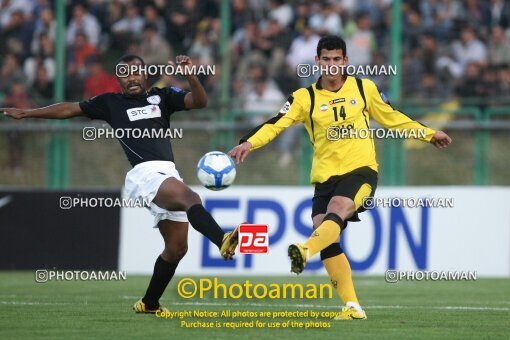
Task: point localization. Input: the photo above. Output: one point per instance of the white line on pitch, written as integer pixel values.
(24, 303)
(332, 307)
(217, 304)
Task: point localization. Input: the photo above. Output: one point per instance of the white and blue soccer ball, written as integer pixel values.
(216, 170)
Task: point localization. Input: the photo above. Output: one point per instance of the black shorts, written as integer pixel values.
(356, 185)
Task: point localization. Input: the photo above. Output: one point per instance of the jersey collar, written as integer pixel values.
(138, 96)
(318, 85)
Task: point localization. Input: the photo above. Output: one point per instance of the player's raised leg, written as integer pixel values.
(175, 235)
(339, 271)
(173, 195)
(339, 210)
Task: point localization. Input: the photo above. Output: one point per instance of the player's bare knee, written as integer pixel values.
(181, 252)
(342, 206)
(174, 254)
(187, 199)
(317, 220)
(190, 198)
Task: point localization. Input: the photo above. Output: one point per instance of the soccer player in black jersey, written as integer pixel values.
(153, 177)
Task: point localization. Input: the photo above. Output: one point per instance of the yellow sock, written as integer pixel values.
(322, 237)
(340, 274)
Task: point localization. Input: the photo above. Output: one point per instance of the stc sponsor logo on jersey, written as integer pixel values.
(253, 239)
(146, 112)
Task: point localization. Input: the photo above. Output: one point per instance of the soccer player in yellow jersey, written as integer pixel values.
(344, 168)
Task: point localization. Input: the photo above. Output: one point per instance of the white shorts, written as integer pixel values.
(142, 183)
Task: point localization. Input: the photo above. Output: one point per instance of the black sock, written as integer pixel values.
(163, 273)
(205, 224)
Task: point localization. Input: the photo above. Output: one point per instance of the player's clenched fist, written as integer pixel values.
(183, 60)
(240, 152)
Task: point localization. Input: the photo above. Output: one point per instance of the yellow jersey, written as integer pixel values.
(338, 124)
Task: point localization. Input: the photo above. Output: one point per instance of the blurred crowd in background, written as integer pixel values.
(451, 48)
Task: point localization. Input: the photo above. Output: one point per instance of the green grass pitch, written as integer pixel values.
(89, 309)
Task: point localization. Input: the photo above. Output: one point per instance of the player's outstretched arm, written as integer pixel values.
(382, 111)
(56, 111)
(197, 98)
(240, 152)
(440, 140)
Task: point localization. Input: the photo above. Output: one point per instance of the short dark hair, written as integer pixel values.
(331, 42)
(150, 27)
(130, 57)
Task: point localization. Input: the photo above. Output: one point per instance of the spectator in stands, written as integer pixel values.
(281, 12)
(77, 56)
(10, 71)
(262, 98)
(429, 53)
(469, 49)
(504, 80)
(16, 35)
(411, 73)
(491, 82)
(499, 13)
(326, 21)
(203, 48)
(274, 42)
(240, 14)
(45, 24)
(83, 22)
(18, 98)
(80, 51)
(39, 6)
(43, 56)
(252, 45)
(256, 71)
(152, 16)
(42, 89)
(129, 27)
(361, 41)
(114, 12)
(301, 18)
(184, 21)
(471, 85)
(428, 58)
(153, 48)
(98, 80)
(476, 12)
(499, 47)
(413, 30)
(447, 12)
(263, 102)
(8, 7)
(245, 39)
(302, 51)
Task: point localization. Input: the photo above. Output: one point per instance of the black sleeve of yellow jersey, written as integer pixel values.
(272, 121)
(290, 114)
